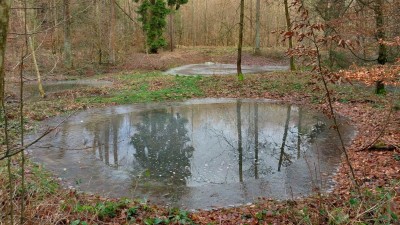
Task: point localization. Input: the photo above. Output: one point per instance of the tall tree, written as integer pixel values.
(98, 30)
(330, 10)
(239, 56)
(111, 56)
(67, 35)
(257, 49)
(377, 7)
(153, 17)
(174, 5)
(4, 17)
(289, 29)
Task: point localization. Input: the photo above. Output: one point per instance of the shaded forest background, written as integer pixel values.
(107, 32)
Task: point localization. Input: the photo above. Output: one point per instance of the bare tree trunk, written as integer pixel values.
(55, 30)
(4, 17)
(289, 29)
(239, 57)
(381, 36)
(285, 132)
(240, 146)
(256, 140)
(67, 35)
(257, 49)
(98, 29)
(193, 26)
(39, 79)
(171, 29)
(112, 33)
(206, 24)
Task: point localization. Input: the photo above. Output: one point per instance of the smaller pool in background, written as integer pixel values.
(210, 68)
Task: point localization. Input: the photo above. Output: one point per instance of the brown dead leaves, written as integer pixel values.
(389, 74)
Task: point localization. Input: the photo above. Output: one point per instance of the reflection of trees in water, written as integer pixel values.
(285, 158)
(248, 145)
(162, 147)
(102, 147)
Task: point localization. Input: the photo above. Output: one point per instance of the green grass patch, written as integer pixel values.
(150, 87)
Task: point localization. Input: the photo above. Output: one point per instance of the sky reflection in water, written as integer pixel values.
(195, 154)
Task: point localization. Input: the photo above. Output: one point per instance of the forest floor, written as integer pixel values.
(376, 118)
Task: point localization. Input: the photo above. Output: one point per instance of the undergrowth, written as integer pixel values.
(47, 203)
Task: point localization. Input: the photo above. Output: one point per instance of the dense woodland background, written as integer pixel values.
(76, 34)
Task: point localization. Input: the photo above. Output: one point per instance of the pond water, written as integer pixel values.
(194, 154)
(221, 69)
(31, 90)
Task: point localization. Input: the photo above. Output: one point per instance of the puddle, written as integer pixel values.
(221, 69)
(31, 89)
(194, 154)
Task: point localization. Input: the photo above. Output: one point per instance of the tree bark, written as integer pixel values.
(285, 132)
(257, 49)
(289, 29)
(67, 35)
(380, 33)
(4, 17)
(206, 24)
(111, 56)
(39, 79)
(239, 57)
(240, 145)
(171, 29)
(98, 31)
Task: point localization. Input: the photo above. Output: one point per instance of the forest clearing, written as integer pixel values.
(200, 112)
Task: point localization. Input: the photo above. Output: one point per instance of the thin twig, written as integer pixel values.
(381, 132)
(23, 148)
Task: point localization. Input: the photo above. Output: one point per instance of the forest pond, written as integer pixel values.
(195, 154)
(31, 89)
(210, 68)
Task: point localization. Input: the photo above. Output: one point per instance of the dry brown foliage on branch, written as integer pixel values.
(389, 74)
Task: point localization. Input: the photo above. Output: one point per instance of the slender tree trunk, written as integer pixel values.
(39, 79)
(381, 36)
(171, 29)
(67, 35)
(206, 24)
(299, 133)
(257, 49)
(4, 17)
(193, 25)
(251, 21)
(115, 142)
(256, 141)
(98, 29)
(285, 132)
(111, 56)
(107, 144)
(277, 35)
(239, 130)
(289, 29)
(55, 30)
(239, 56)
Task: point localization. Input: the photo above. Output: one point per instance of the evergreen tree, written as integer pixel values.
(153, 15)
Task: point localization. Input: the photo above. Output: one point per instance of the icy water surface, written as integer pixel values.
(32, 90)
(194, 154)
(220, 69)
